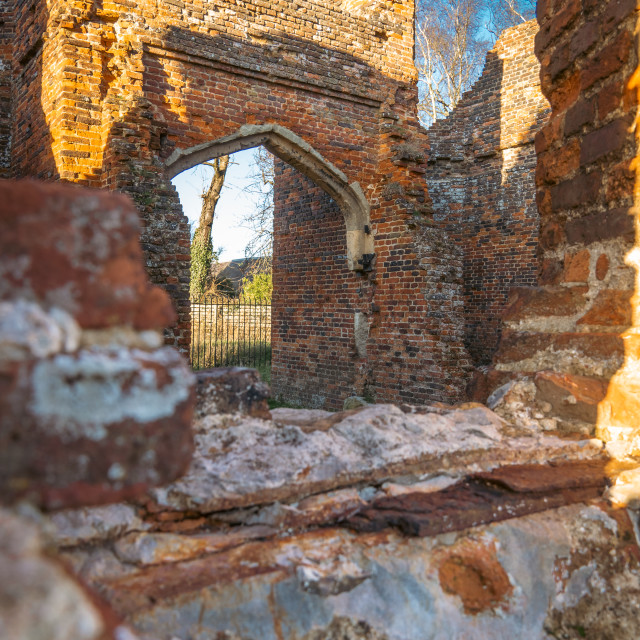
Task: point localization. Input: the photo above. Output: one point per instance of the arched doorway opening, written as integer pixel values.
(322, 246)
(297, 153)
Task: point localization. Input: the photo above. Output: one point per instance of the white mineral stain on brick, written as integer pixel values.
(28, 331)
(11, 271)
(79, 396)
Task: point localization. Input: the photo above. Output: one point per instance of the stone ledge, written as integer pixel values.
(247, 462)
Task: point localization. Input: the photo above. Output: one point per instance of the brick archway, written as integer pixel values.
(162, 77)
(293, 150)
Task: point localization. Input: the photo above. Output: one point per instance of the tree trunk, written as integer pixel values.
(202, 245)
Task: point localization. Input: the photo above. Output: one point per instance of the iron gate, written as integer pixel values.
(230, 332)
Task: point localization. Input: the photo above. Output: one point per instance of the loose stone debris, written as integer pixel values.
(377, 523)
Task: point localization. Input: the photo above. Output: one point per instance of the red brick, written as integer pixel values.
(565, 93)
(584, 188)
(616, 11)
(611, 138)
(544, 302)
(617, 223)
(602, 266)
(610, 98)
(548, 135)
(609, 60)
(557, 164)
(621, 182)
(576, 266)
(584, 39)
(561, 20)
(516, 346)
(551, 234)
(582, 113)
(610, 308)
(550, 271)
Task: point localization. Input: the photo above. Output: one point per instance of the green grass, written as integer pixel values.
(233, 354)
(264, 369)
(280, 404)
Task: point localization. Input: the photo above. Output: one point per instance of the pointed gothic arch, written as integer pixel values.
(293, 150)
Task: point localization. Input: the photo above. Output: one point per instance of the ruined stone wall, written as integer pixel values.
(314, 297)
(481, 181)
(395, 336)
(573, 334)
(6, 85)
(114, 94)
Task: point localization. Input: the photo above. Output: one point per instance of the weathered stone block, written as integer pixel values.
(583, 112)
(516, 346)
(582, 189)
(601, 226)
(251, 462)
(231, 390)
(523, 576)
(529, 302)
(557, 164)
(79, 252)
(611, 308)
(608, 139)
(609, 60)
(94, 426)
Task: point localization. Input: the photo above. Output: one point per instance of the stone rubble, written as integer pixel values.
(40, 598)
(383, 522)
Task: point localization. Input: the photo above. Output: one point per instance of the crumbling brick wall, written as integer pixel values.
(395, 336)
(481, 181)
(314, 296)
(575, 334)
(93, 408)
(6, 76)
(108, 94)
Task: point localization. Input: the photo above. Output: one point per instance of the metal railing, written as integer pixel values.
(229, 332)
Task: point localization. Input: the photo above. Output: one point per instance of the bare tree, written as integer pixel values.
(502, 14)
(201, 244)
(449, 52)
(452, 38)
(259, 249)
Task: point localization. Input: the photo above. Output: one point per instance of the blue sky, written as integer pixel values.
(227, 230)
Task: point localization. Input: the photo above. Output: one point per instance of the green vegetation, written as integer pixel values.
(233, 354)
(259, 288)
(280, 404)
(201, 258)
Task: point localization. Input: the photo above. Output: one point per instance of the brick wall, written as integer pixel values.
(394, 334)
(576, 328)
(31, 137)
(481, 181)
(315, 296)
(6, 85)
(128, 85)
